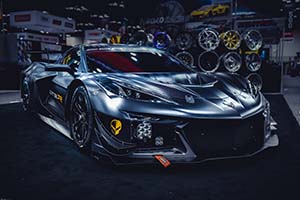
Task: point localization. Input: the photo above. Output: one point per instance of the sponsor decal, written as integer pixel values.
(56, 96)
(165, 20)
(229, 104)
(163, 160)
(23, 18)
(56, 22)
(94, 34)
(116, 126)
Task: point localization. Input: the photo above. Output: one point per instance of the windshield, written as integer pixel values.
(133, 61)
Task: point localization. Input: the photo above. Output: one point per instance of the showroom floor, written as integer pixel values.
(39, 163)
(291, 91)
(9, 96)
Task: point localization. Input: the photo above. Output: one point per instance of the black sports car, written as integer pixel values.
(139, 105)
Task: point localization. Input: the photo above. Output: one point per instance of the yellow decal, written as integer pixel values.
(67, 59)
(59, 98)
(115, 39)
(116, 126)
(251, 52)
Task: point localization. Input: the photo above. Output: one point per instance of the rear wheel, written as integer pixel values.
(81, 119)
(27, 98)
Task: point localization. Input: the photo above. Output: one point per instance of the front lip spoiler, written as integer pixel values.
(188, 158)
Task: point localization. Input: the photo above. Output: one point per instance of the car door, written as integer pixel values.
(60, 83)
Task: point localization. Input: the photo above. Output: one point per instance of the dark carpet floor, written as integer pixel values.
(36, 162)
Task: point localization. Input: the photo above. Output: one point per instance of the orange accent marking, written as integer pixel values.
(163, 160)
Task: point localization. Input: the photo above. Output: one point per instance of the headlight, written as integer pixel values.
(114, 89)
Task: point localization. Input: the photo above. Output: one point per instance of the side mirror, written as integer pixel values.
(58, 68)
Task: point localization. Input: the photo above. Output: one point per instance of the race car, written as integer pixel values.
(210, 10)
(220, 9)
(202, 12)
(137, 104)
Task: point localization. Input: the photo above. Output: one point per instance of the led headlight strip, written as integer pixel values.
(126, 91)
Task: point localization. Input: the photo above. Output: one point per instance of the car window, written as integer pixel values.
(134, 61)
(72, 58)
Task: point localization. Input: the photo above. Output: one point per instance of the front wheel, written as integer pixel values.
(81, 119)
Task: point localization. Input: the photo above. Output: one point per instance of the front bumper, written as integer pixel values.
(188, 157)
(249, 137)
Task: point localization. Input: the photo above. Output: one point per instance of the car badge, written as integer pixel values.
(189, 99)
(116, 126)
(229, 104)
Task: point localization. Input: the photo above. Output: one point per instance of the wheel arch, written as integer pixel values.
(90, 86)
(75, 84)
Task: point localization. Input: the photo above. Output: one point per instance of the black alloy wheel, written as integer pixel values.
(81, 119)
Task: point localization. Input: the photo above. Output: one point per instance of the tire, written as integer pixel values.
(81, 120)
(27, 98)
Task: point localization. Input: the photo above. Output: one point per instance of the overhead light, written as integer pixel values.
(114, 4)
(134, 58)
(84, 8)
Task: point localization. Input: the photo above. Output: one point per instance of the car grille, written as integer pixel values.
(225, 137)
